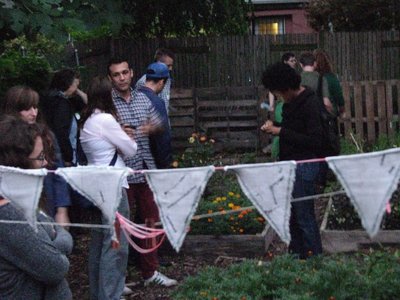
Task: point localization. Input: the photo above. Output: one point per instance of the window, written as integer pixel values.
(270, 25)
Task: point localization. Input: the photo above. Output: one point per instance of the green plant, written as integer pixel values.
(200, 152)
(375, 275)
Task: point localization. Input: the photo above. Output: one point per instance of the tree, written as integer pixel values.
(167, 18)
(355, 15)
(55, 18)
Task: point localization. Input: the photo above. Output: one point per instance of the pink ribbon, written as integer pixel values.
(141, 232)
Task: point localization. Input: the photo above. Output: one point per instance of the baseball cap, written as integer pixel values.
(157, 70)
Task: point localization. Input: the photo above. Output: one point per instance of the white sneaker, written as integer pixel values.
(126, 291)
(160, 279)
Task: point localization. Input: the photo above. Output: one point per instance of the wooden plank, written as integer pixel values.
(369, 103)
(334, 241)
(381, 108)
(233, 114)
(226, 124)
(389, 108)
(181, 93)
(182, 112)
(223, 103)
(182, 122)
(358, 113)
(182, 102)
(347, 106)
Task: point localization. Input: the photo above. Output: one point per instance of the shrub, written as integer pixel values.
(366, 276)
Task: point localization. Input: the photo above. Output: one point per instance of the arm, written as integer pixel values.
(327, 97)
(113, 133)
(32, 252)
(271, 99)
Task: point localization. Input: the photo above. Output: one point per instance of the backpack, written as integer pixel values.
(330, 138)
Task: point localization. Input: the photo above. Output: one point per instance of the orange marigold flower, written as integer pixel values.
(203, 138)
(260, 219)
(241, 230)
(209, 211)
(209, 220)
(175, 164)
(238, 196)
(240, 216)
(231, 205)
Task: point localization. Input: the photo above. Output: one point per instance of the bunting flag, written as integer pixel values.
(177, 193)
(269, 187)
(23, 188)
(369, 180)
(100, 185)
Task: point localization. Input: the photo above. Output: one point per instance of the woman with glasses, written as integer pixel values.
(22, 101)
(33, 264)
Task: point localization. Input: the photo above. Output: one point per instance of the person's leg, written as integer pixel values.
(96, 240)
(146, 213)
(113, 262)
(306, 236)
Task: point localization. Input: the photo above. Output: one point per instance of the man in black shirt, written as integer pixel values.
(300, 136)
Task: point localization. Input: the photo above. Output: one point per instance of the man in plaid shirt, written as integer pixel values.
(139, 119)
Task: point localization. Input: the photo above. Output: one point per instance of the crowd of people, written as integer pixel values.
(122, 123)
(114, 124)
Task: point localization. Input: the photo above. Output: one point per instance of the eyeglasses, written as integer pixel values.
(41, 157)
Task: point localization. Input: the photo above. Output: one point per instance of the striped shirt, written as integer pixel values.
(165, 93)
(137, 112)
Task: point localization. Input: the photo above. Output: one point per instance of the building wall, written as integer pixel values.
(295, 19)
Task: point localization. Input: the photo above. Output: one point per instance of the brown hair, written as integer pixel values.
(20, 98)
(99, 96)
(324, 64)
(17, 141)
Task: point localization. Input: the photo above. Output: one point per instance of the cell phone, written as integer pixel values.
(129, 126)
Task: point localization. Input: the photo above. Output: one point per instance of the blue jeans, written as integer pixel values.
(304, 231)
(107, 266)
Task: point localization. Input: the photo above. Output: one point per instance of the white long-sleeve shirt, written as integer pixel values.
(101, 136)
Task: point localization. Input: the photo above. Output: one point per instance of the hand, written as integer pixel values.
(62, 215)
(269, 127)
(128, 130)
(149, 129)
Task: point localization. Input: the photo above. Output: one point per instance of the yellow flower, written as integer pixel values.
(175, 164)
(237, 196)
(231, 205)
(191, 140)
(218, 199)
(231, 194)
(223, 198)
(203, 293)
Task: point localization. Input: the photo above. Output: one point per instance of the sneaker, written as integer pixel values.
(160, 279)
(126, 291)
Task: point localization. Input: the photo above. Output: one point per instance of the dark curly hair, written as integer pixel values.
(17, 141)
(281, 77)
(324, 64)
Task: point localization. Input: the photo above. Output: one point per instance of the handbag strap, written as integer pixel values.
(114, 159)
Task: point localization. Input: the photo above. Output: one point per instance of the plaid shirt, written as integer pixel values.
(165, 94)
(137, 112)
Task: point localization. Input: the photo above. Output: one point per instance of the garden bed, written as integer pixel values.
(350, 236)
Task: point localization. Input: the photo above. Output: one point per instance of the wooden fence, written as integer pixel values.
(232, 116)
(240, 60)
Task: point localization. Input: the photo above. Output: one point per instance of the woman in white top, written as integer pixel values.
(104, 142)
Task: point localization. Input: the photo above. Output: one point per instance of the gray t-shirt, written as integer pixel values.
(310, 79)
(31, 265)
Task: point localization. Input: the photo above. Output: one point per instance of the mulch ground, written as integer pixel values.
(177, 266)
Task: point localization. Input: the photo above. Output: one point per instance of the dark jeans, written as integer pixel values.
(304, 231)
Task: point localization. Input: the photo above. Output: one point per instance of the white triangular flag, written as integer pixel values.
(269, 187)
(177, 193)
(369, 180)
(23, 188)
(100, 185)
